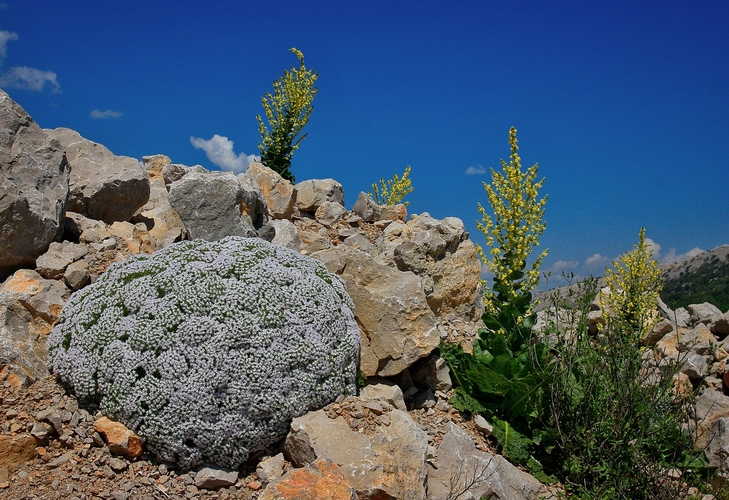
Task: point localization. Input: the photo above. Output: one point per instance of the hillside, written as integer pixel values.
(703, 278)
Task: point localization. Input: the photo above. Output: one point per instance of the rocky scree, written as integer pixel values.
(208, 349)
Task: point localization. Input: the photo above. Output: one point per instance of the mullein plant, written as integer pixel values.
(287, 111)
(504, 378)
(635, 284)
(515, 228)
(394, 191)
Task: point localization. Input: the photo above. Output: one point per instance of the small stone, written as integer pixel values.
(117, 464)
(483, 426)
(58, 461)
(209, 478)
(255, 485)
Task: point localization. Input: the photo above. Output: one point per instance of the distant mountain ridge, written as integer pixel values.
(702, 278)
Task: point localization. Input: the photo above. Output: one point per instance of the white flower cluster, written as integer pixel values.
(208, 350)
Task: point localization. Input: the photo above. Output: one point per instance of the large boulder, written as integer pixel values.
(209, 204)
(387, 463)
(103, 186)
(34, 177)
(398, 327)
(29, 307)
(460, 470)
(442, 255)
(311, 194)
(278, 192)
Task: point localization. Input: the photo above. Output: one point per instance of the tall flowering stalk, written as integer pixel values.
(514, 230)
(287, 111)
(635, 285)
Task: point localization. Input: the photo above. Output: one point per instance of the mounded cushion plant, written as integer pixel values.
(209, 349)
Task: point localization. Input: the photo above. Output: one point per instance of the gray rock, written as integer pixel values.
(211, 479)
(59, 256)
(440, 253)
(384, 390)
(695, 366)
(433, 372)
(682, 318)
(703, 313)
(271, 468)
(461, 469)
(311, 194)
(77, 275)
(286, 234)
(711, 427)
(162, 221)
(102, 186)
(366, 208)
(172, 172)
(483, 426)
(390, 463)
(720, 325)
(51, 415)
(391, 309)
(34, 176)
(360, 242)
(209, 205)
(329, 213)
(253, 205)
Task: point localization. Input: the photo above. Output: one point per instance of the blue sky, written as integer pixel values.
(624, 104)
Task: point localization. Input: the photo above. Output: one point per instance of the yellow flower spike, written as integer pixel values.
(516, 224)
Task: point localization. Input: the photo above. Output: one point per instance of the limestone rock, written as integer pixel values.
(157, 213)
(386, 390)
(703, 313)
(712, 427)
(390, 463)
(271, 468)
(329, 213)
(277, 191)
(398, 327)
(34, 175)
(720, 325)
(59, 256)
(311, 194)
(209, 205)
(432, 371)
(211, 479)
(286, 234)
(457, 461)
(440, 252)
(102, 186)
(320, 480)
(366, 208)
(121, 441)
(29, 307)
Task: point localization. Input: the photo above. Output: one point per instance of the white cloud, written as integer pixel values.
(564, 265)
(671, 256)
(653, 247)
(219, 150)
(596, 259)
(475, 170)
(5, 37)
(109, 113)
(25, 78)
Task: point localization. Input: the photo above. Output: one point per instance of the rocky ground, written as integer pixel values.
(73, 461)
